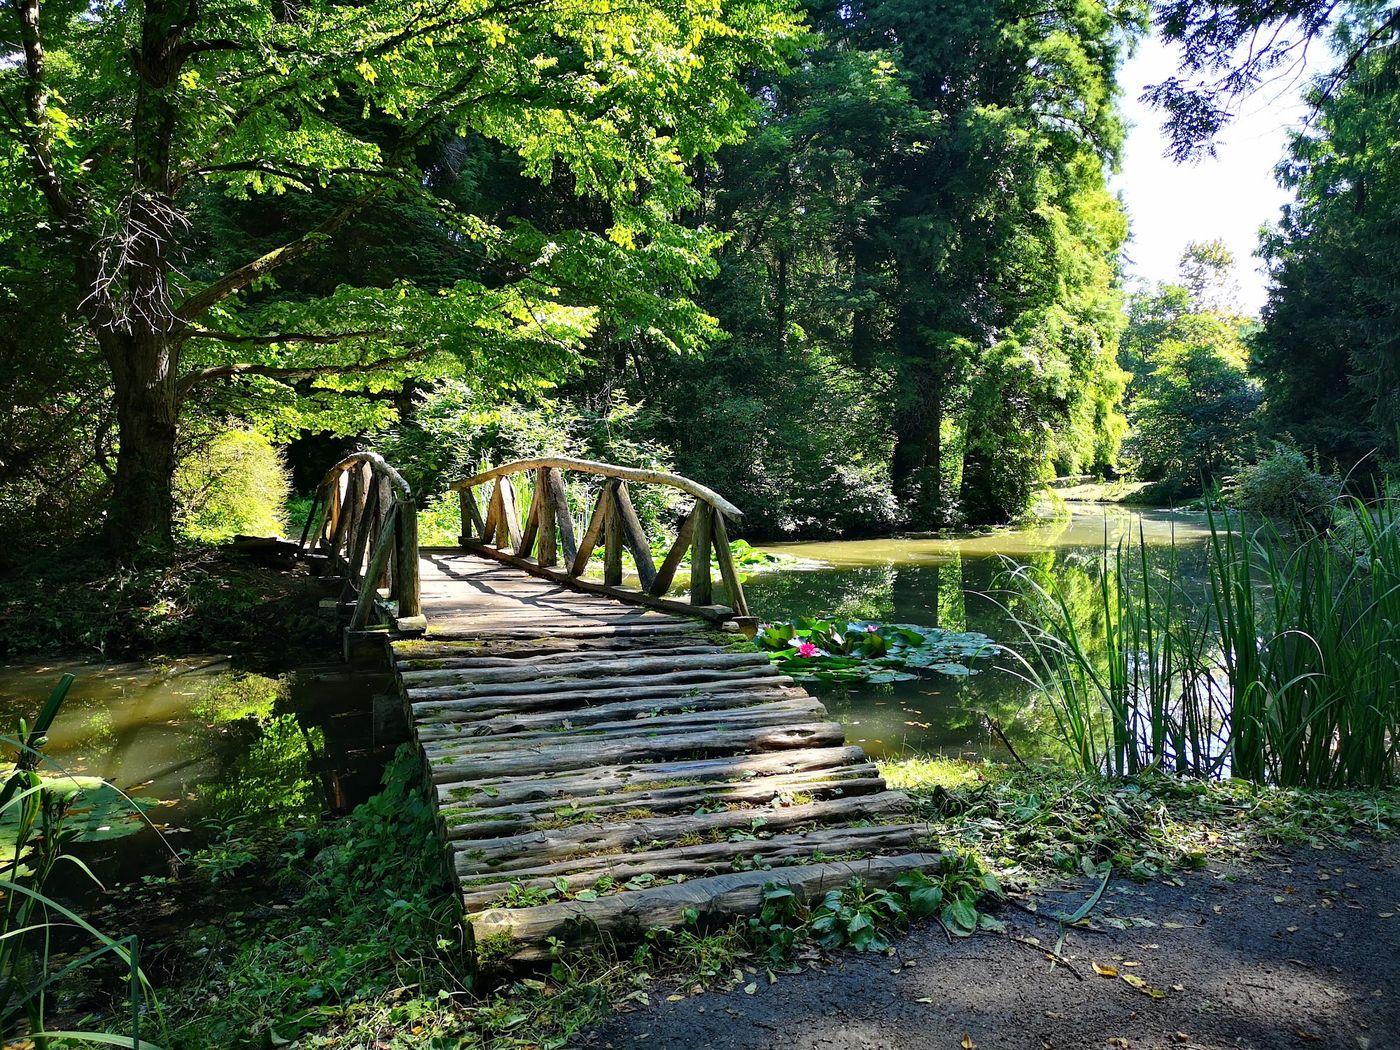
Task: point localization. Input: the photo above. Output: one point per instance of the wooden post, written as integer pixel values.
(593, 532)
(466, 500)
(728, 572)
(508, 532)
(343, 516)
(357, 543)
(493, 515)
(364, 605)
(701, 589)
(559, 499)
(474, 512)
(542, 513)
(672, 561)
(612, 533)
(635, 537)
(407, 581)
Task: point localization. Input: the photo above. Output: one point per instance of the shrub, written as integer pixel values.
(235, 483)
(1284, 485)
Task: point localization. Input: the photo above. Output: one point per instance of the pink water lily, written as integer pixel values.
(871, 628)
(808, 649)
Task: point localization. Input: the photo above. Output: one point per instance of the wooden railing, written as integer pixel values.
(365, 523)
(543, 540)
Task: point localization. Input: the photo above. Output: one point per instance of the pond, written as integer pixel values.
(201, 746)
(957, 584)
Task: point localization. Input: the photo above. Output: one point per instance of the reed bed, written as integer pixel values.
(1284, 667)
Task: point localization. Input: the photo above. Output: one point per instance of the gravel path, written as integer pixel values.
(1301, 951)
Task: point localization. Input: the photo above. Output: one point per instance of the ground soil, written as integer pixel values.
(1299, 951)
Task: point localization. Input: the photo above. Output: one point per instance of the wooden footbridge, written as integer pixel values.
(606, 757)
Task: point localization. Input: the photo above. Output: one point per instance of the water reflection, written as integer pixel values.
(958, 584)
(202, 745)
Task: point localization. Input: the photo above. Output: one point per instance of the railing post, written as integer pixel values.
(702, 590)
(612, 537)
(464, 496)
(407, 583)
(542, 510)
(728, 571)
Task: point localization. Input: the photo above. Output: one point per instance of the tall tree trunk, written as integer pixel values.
(140, 516)
(917, 467)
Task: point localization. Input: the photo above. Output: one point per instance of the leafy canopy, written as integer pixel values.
(129, 122)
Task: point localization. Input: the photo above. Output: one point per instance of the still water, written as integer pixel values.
(958, 584)
(200, 746)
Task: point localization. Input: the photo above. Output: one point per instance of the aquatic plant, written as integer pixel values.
(1286, 668)
(863, 650)
(32, 811)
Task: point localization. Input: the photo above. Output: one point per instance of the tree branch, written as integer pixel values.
(205, 375)
(36, 103)
(323, 338)
(236, 280)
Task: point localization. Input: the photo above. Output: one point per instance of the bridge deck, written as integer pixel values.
(601, 767)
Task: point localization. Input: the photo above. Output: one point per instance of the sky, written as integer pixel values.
(1230, 196)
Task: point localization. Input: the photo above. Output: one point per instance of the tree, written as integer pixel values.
(1192, 403)
(126, 122)
(1206, 276)
(1329, 351)
(923, 259)
(1232, 48)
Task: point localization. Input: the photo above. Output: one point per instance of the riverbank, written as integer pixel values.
(344, 935)
(204, 599)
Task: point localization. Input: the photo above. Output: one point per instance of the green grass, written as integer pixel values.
(1031, 824)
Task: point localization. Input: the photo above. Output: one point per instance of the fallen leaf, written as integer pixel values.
(675, 998)
(967, 1043)
(750, 988)
(1104, 971)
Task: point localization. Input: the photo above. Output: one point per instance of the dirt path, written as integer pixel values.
(1302, 951)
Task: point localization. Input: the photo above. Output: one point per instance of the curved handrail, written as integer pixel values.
(535, 541)
(367, 525)
(590, 466)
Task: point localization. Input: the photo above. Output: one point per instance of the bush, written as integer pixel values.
(1284, 485)
(235, 483)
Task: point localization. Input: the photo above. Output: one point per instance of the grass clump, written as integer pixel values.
(1041, 821)
(1283, 671)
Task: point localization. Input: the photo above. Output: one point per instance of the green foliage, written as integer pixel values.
(910, 269)
(848, 651)
(177, 159)
(73, 599)
(1033, 823)
(458, 429)
(864, 918)
(1192, 404)
(857, 917)
(380, 874)
(34, 836)
(1327, 353)
(236, 483)
(1287, 676)
(1284, 485)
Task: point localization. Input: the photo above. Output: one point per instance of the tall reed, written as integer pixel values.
(32, 809)
(1284, 668)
